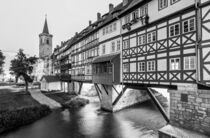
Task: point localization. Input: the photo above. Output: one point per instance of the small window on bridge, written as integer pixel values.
(184, 98)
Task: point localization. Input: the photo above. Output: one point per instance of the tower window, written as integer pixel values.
(48, 42)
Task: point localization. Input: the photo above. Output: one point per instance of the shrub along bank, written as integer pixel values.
(18, 109)
(13, 119)
(68, 100)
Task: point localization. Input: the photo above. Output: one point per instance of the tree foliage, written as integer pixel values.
(22, 65)
(2, 58)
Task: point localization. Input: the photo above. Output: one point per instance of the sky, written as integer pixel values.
(21, 21)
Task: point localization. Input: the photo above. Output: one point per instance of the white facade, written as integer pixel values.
(50, 86)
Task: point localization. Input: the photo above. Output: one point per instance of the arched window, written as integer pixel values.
(47, 41)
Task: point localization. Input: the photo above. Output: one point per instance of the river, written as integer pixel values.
(141, 121)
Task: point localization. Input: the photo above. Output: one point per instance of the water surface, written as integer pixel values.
(141, 121)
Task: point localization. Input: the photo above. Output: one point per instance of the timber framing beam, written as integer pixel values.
(159, 106)
(145, 86)
(105, 89)
(98, 91)
(80, 87)
(119, 96)
(115, 90)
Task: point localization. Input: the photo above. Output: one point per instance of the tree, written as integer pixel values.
(2, 58)
(22, 65)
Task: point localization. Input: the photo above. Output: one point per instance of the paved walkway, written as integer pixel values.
(42, 99)
(180, 132)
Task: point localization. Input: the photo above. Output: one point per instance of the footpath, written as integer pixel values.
(42, 99)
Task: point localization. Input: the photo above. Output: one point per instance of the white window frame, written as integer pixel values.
(103, 49)
(125, 44)
(115, 26)
(118, 45)
(142, 39)
(151, 65)
(142, 66)
(127, 19)
(113, 46)
(143, 10)
(175, 65)
(162, 4)
(151, 37)
(189, 63)
(125, 67)
(173, 28)
(174, 1)
(135, 14)
(189, 25)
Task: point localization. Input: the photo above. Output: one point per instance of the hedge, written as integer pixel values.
(13, 119)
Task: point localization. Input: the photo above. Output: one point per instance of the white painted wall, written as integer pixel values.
(110, 35)
(154, 13)
(108, 45)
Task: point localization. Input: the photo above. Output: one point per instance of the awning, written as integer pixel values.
(106, 58)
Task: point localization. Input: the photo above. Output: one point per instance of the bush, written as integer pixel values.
(76, 103)
(16, 118)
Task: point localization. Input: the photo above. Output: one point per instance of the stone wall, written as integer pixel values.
(190, 108)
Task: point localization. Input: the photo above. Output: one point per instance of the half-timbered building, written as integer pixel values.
(140, 44)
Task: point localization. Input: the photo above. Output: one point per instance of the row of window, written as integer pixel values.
(110, 28)
(85, 55)
(115, 46)
(142, 11)
(164, 3)
(188, 26)
(174, 30)
(102, 68)
(189, 64)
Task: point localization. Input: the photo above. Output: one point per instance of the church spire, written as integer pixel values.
(45, 29)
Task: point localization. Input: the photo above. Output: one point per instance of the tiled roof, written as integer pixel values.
(45, 29)
(106, 18)
(106, 58)
(50, 78)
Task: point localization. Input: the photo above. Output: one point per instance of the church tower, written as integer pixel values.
(45, 42)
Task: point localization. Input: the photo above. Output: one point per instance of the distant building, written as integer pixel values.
(45, 42)
(44, 63)
(50, 83)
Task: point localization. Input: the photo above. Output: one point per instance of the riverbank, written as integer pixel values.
(68, 100)
(18, 109)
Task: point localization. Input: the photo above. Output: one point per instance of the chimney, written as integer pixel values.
(76, 33)
(98, 16)
(111, 7)
(90, 22)
(125, 2)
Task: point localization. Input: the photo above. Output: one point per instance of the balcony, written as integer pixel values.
(64, 77)
(65, 66)
(143, 19)
(106, 69)
(82, 77)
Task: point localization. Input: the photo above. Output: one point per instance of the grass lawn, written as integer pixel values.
(18, 100)
(18, 109)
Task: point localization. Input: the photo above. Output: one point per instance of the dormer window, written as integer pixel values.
(163, 4)
(135, 14)
(127, 19)
(174, 1)
(143, 11)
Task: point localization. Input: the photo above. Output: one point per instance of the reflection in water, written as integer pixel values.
(89, 122)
